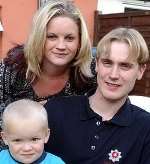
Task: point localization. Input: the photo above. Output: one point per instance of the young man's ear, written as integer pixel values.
(47, 135)
(4, 137)
(96, 65)
(142, 68)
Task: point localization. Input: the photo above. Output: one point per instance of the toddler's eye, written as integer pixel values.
(17, 140)
(35, 139)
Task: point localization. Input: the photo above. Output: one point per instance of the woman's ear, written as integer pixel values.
(47, 135)
(4, 137)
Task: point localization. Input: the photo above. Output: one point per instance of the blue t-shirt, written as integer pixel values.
(5, 158)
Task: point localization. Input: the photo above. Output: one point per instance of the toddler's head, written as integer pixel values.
(25, 130)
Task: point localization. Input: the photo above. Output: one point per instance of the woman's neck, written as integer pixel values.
(51, 81)
(56, 74)
(51, 70)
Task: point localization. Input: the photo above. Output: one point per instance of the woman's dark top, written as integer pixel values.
(15, 86)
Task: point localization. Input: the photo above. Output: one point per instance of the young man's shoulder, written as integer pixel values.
(70, 98)
(70, 105)
(141, 115)
(67, 100)
(52, 159)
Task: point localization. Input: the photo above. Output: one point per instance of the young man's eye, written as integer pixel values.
(126, 66)
(106, 63)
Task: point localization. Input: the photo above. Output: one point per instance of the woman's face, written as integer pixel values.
(62, 41)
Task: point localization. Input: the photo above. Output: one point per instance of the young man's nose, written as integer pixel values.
(114, 72)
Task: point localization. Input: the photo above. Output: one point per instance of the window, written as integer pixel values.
(1, 27)
(42, 2)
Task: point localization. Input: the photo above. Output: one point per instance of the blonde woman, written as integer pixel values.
(55, 60)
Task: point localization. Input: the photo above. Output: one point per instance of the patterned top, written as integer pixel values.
(15, 86)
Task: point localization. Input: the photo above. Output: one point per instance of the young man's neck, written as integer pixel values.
(104, 107)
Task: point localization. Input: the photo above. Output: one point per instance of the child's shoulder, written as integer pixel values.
(4, 153)
(6, 158)
(52, 159)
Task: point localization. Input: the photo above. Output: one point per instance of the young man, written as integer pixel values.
(25, 131)
(104, 127)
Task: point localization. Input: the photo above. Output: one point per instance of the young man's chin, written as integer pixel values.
(114, 97)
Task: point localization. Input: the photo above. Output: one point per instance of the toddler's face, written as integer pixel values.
(26, 141)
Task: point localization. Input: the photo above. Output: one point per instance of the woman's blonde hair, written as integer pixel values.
(137, 45)
(34, 48)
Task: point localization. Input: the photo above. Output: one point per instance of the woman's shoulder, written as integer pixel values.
(15, 58)
(13, 70)
(84, 85)
(81, 83)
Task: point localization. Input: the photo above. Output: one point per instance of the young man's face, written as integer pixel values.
(25, 141)
(116, 74)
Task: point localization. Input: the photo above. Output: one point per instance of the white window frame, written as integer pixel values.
(1, 27)
(118, 6)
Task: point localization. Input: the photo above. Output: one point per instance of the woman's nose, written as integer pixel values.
(61, 44)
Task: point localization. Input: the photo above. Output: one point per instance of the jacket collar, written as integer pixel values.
(122, 118)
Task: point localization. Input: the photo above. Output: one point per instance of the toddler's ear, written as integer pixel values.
(3, 136)
(47, 135)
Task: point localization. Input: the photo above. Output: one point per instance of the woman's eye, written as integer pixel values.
(70, 38)
(51, 37)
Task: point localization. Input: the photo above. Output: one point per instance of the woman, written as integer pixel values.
(55, 61)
